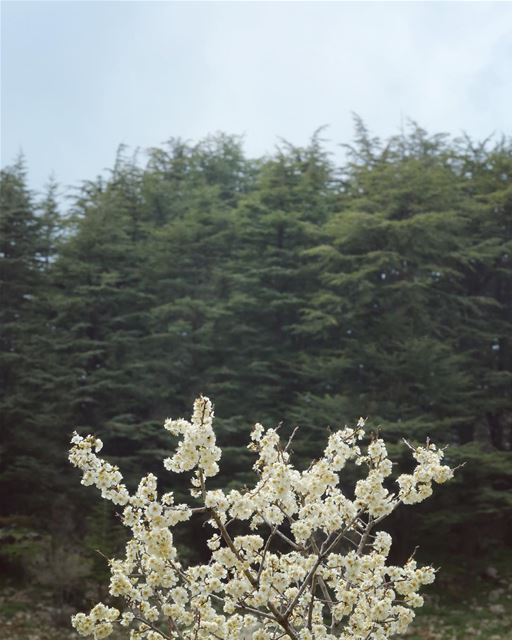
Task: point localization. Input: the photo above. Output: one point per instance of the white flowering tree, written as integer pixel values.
(290, 575)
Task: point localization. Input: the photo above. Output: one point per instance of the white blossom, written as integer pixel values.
(286, 571)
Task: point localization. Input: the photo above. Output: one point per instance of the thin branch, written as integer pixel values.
(288, 444)
(322, 584)
(324, 551)
(311, 602)
(265, 550)
(292, 544)
(279, 618)
(362, 543)
(153, 628)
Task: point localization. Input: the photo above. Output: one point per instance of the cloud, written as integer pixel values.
(79, 78)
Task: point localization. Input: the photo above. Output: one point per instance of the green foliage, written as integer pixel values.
(287, 288)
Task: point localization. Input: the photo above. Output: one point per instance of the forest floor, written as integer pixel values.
(482, 611)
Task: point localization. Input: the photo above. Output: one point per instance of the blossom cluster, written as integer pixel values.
(309, 566)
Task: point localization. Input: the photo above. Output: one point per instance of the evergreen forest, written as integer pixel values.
(292, 289)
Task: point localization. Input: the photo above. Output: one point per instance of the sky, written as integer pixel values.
(78, 78)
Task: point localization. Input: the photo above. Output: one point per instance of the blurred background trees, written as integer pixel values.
(287, 288)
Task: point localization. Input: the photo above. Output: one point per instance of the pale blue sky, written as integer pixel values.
(79, 78)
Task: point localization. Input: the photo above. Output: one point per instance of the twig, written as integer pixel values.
(324, 551)
(264, 553)
(290, 440)
(153, 628)
(311, 602)
(362, 543)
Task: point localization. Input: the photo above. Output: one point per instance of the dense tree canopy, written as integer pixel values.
(286, 288)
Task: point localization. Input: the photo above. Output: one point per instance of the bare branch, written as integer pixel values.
(265, 549)
(290, 439)
(153, 628)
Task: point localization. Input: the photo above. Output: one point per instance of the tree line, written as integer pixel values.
(290, 288)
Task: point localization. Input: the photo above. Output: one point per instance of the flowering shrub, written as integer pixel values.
(290, 575)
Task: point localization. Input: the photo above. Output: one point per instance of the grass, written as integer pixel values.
(469, 602)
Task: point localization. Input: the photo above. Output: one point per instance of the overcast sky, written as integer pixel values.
(79, 78)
